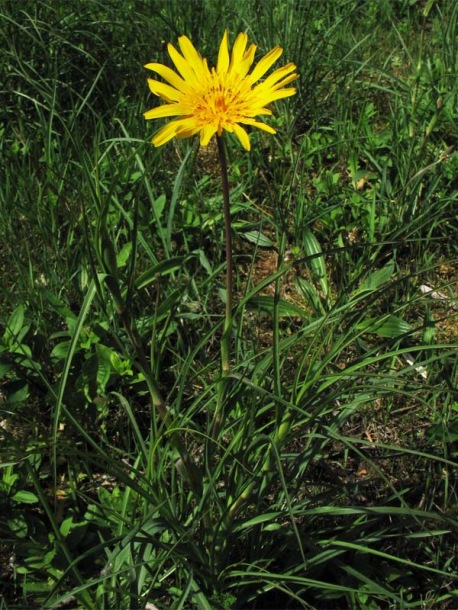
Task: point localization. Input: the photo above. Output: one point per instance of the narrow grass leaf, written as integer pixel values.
(258, 238)
(313, 253)
(267, 303)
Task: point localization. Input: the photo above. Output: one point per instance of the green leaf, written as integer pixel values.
(265, 517)
(16, 391)
(310, 292)
(122, 367)
(267, 304)
(205, 262)
(258, 238)
(25, 497)
(60, 351)
(376, 279)
(67, 365)
(19, 525)
(159, 205)
(4, 369)
(15, 324)
(123, 256)
(317, 263)
(103, 366)
(169, 304)
(389, 328)
(66, 526)
(16, 321)
(176, 191)
(429, 330)
(444, 431)
(163, 268)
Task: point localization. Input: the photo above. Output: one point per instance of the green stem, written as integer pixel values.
(226, 338)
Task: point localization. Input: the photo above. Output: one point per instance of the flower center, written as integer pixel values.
(220, 104)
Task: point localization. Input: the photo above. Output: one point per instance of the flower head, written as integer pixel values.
(223, 98)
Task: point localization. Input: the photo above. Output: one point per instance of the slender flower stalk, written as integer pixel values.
(225, 345)
(226, 338)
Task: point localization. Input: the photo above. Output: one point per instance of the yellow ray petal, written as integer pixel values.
(242, 136)
(286, 81)
(187, 132)
(238, 51)
(191, 56)
(167, 93)
(165, 134)
(223, 56)
(181, 64)
(264, 64)
(246, 62)
(250, 52)
(206, 134)
(257, 110)
(259, 125)
(164, 111)
(280, 94)
(276, 76)
(187, 127)
(169, 75)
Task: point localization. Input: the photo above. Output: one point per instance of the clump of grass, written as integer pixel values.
(332, 480)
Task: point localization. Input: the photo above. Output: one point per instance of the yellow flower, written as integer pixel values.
(223, 98)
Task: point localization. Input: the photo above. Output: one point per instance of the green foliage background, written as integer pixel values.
(332, 482)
